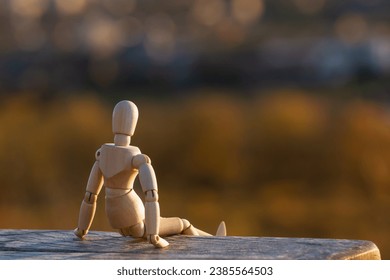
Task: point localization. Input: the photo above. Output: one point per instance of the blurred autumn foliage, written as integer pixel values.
(279, 164)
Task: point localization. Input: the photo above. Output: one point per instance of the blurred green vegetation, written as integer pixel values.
(284, 163)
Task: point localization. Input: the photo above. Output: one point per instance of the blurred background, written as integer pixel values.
(271, 115)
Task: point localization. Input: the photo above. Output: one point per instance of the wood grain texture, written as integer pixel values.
(56, 244)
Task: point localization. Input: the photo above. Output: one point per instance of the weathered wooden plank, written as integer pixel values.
(55, 244)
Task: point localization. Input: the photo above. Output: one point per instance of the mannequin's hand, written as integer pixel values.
(80, 233)
(157, 241)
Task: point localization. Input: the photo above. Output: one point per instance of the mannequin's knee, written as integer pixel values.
(188, 229)
(137, 230)
(186, 224)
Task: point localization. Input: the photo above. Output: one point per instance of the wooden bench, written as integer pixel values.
(58, 244)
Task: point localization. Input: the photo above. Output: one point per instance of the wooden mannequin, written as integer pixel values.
(116, 167)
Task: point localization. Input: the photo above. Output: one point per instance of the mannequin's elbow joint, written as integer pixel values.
(151, 196)
(90, 198)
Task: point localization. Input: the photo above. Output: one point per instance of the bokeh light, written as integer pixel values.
(71, 7)
(209, 12)
(29, 8)
(310, 6)
(160, 37)
(29, 34)
(247, 11)
(351, 28)
(120, 7)
(103, 35)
